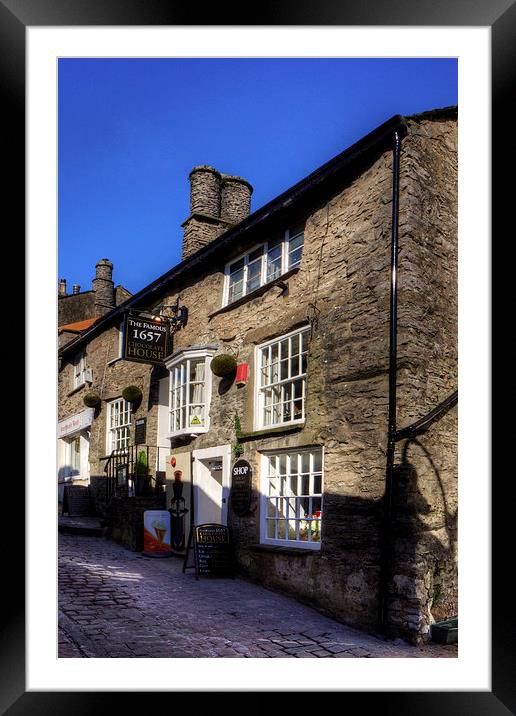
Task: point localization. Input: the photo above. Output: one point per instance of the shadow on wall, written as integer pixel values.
(342, 579)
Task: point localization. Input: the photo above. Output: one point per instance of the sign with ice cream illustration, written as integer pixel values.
(156, 533)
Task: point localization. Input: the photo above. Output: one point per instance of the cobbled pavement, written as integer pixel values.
(116, 603)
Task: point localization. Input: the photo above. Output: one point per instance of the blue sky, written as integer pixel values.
(130, 130)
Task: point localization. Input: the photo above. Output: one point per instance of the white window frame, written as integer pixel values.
(259, 393)
(285, 267)
(124, 408)
(288, 502)
(79, 370)
(183, 359)
(75, 471)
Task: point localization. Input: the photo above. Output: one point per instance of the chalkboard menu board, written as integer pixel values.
(212, 551)
(241, 478)
(76, 500)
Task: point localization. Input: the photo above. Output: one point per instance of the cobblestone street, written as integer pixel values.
(116, 603)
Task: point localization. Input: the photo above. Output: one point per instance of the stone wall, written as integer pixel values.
(424, 585)
(124, 519)
(341, 291)
(75, 307)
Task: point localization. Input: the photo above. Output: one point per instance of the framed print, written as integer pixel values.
(34, 38)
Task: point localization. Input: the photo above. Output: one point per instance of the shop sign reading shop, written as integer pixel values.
(145, 340)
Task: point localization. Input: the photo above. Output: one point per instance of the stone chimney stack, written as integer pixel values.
(104, 287)
(235, 200)
(62, 287)
(217, 201)
(76, 288)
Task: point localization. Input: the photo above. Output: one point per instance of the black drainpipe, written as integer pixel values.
(385, 563)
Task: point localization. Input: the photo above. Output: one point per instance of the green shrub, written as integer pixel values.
(132, 394)
(91, 400)
(223, 365)
(141, 466)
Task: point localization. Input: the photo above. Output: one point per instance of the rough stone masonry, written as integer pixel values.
(341, 290)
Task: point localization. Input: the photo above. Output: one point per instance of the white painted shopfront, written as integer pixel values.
(73, 448)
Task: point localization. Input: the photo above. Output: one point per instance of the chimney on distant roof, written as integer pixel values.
(62, 287)
(217, 201)
(104, 287)
(76, 288)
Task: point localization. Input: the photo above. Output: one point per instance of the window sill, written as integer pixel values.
(76, 390)
(276, 549)
(114, 360)
(270, 432)
(257, 292)
(187, 432)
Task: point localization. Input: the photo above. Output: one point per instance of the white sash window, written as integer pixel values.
(291, 498)
(263, 264)
(119, 424)
(281, 382)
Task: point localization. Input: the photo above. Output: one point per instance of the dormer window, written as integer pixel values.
(190, 391)
(263, 264)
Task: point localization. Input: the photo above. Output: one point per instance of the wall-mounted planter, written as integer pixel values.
(91, 400)
(132, 394)
(223, 365)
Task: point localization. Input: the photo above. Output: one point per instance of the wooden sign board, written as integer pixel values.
(145, 340)
(76, 500)
(241, 487)
(212, 551)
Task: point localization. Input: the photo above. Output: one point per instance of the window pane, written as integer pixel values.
(236, 291)
(237, 266)
(317, 484)
(274, 256)
(295, 250)
(254, 275)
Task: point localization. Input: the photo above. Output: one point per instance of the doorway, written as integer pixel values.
(211, 484)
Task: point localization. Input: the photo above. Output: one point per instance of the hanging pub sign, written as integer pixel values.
(145, 340)
(241, 479)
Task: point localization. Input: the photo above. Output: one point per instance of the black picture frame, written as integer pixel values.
(500, 16)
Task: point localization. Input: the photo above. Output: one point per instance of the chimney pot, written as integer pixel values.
(76, 288)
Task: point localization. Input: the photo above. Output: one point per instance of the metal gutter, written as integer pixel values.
(385, 563)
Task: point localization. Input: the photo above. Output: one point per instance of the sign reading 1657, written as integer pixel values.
(145, 340)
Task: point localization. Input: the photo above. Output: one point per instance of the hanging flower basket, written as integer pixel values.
(223, 365)
(132, 394)
(91, 400)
